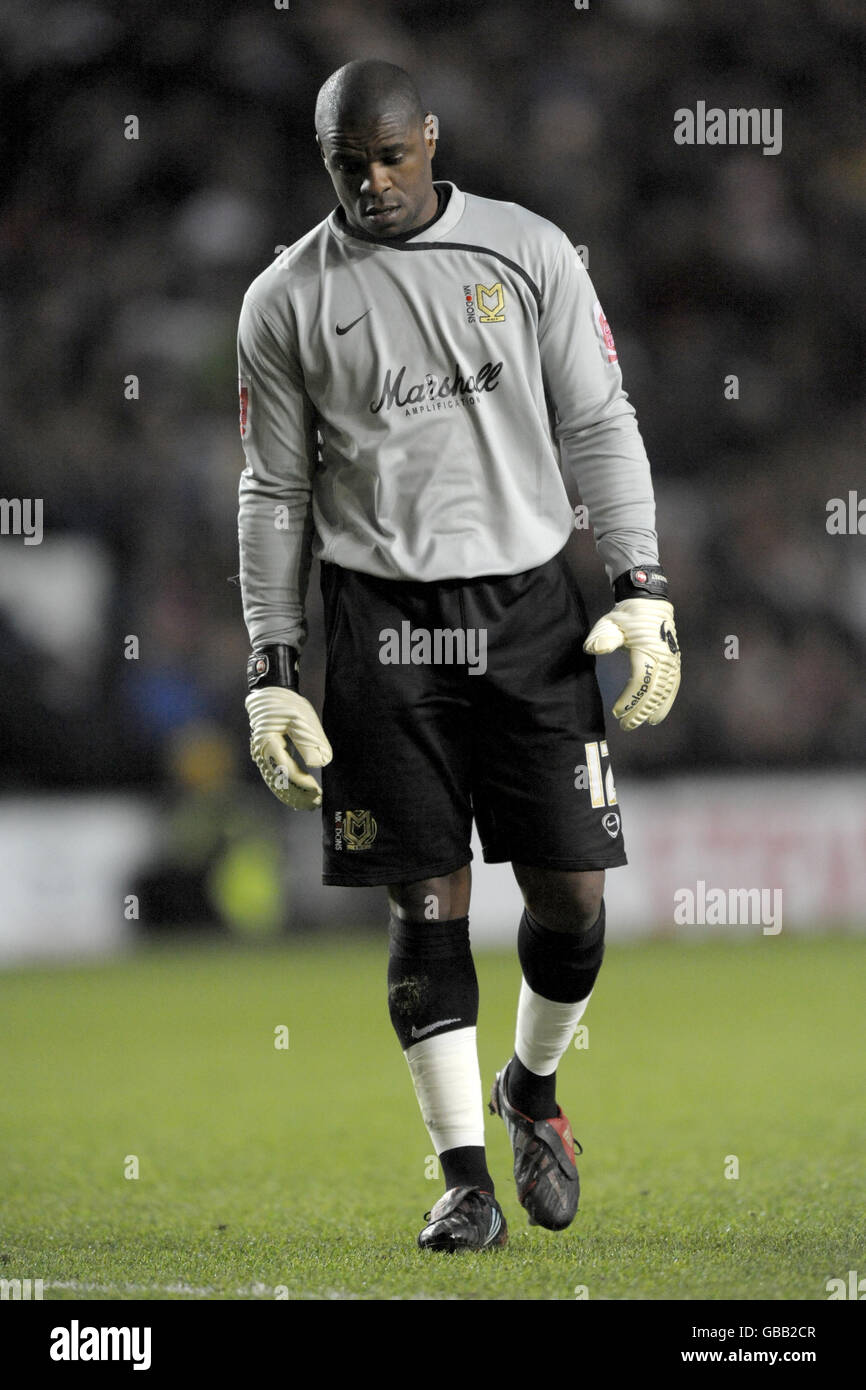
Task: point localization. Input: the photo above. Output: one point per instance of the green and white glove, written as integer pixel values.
(643, 624)
(280, 717)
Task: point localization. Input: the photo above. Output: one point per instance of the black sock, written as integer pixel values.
(466, 1168)
(529, 1093)
(432, 985)
(563, 967)
(558, 965)
(433, 989)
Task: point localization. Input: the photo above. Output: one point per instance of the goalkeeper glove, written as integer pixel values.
(280, 715)
(642, 621)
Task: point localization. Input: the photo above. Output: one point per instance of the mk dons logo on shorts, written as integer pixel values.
(354, 830)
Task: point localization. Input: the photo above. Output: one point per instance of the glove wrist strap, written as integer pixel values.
(642, 581)
(274, 665)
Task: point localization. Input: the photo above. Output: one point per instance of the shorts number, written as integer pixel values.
(602, 791)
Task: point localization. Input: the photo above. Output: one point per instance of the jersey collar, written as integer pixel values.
(437, 232)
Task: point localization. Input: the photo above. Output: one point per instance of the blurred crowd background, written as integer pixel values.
(128, 257)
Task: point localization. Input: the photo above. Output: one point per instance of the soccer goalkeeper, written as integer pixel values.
(415, 373)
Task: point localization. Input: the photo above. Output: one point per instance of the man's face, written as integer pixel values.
(381, 171)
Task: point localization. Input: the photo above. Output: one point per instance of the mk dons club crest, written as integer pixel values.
(354, 830)
(490, 300)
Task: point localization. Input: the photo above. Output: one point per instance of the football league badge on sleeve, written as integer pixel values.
(603, 329)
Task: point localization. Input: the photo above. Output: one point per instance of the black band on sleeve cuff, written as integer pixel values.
(276, 665)
(642, 581)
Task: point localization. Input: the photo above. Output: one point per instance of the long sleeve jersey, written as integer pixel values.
(408, 409)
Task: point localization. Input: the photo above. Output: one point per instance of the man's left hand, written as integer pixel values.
(645, 627)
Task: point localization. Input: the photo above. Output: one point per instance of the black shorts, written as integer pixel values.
(462, 698)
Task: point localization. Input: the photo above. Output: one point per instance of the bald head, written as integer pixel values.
(363, 91)
(377, 148)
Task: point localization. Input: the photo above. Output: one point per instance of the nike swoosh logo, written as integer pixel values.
(421, 1032)
(495, 1223)
(341, 329)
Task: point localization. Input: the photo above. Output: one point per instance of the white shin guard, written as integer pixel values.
(447, 1083)
(544, 1029)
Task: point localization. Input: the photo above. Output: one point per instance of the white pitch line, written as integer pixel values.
(249, 1291)
(77, 1286)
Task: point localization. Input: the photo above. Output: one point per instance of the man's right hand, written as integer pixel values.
(279, 717)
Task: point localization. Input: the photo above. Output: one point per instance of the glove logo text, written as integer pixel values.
(639, 694)
(667, 636)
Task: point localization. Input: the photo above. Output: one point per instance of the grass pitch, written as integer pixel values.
(300, 1172)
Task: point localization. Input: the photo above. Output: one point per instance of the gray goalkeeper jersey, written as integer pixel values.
(407, 409)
